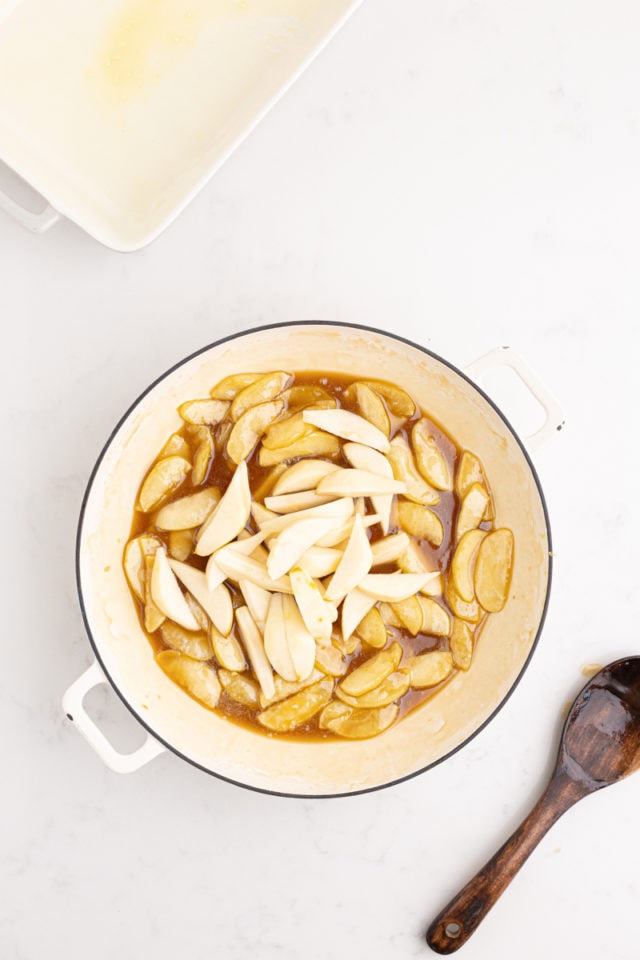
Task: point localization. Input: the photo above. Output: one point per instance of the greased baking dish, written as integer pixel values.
(119, 112)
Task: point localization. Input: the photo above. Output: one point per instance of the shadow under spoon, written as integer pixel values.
(600, 744)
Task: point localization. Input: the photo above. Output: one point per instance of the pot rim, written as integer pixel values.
(79, 535)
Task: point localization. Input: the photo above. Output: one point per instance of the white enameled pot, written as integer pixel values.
(432, 731)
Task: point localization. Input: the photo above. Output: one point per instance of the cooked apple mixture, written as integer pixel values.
(314, 556)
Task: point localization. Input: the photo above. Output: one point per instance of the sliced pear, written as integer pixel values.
(493, 570)
(393, 688)
(153, 618)
(257, 599)
(341, 534)
(188, 512)
(199, 613)
(393, 587)
(364, 458)
(265, 486)
(349, 426)
(167, 595)
(430, 669)
(194, 645)
(413, 560)
(165, 476)
(286, 688)
(355, 607)
(229, 517)
(302, 644)
(314, 444)
(239, 687)
(228, 651)
(398, 401)
(216, 603)
(304, 475)
(372, 408)
(355, 563)
(431, 462)
(372, 672)
(253, 644)
(247, 543)
(292, 502)
(197, 679)
(320, 561)
(250, 427)
(363, 724)
(459, 607)
(262, 390)
(318, 614)
(292, 542)
(358, 483)
(306, 395)
(180, 544)
(276, 645)
(389, 549)
(176, 446)
(330, 661)
(134, 553)
(297, 710)
(389, 616)
(472, 510)
(230, 386)
(346, 647)
(404, 468)
(339, 510)
(221, 434)
(409, 613)
(420, 522)
(286, 432)
(202, 412)
(372, 629)
(260, 514)
(436, 622)
(463, 563)
(202, 458)
(214, 573)
(461, 644)
(239, 567)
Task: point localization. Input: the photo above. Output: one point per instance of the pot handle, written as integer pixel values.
(506, 357)
(72, 704)
(36, 222)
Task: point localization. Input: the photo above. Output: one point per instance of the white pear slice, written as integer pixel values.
(364, 458)
(229, 517)
(253, 644)
(291, 502)
(238, 567)
(355, 563)
(389, 548)
(291, 543)
(260, 514)
(318, 614)
(320, 561)
(300, 641)
(215, 575)
(276, 646)
(247, 545)
(303, 475)
(358, 483)
(340, 510)
(257, 599)
(394, 586)
(188, 512)
(354, 609)
(343, 532)
(215, 602)
(167, 595)
(349, 426)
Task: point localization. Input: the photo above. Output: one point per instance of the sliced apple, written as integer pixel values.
(301, 643)
(257, 599)
(413, 560)
(230, 386)
(404, 468)
(320, 561)
(430, 669)
(205, 452)
(314, 444)
(392, 688)
(334, 710)
(372, 408)
(176, 446)
(194, 645)
(253, 644)
(358, 483)
(262, 390)
(180, 544)
(230, 515)
(398, 401)
(202, 412)
(153, 618)
(165, 476)
(372, 629)
(304, 475)
(250, 427)
(436, 621)
(286, 432)
(167, 595)
(372, 672)
(330, 661)
(215, 602)
(349, 426)
(292, 542)
(240, 688)
(355, 607)
(420, 522)
(188, 512)
(197, 679)
(461, 644)
(276, 645)
(393, 587)
(292, 502)
(409, 613)
(134, 553)
(389, 617)
(266, 485)
(318, 614)
(306, 395)
(355, 563)
(431, 462)
(472, 510)
(469, 472)
(339, 510)
(286, 688)
(228, 650)
(459, 607)
(238, 567)
(463, 563)
(493, 570)
(389, 549)
(297, 710)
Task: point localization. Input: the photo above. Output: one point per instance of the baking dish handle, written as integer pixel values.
(36, 222)
(73, 706)
(506, 357)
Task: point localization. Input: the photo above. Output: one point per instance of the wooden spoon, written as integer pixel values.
(600, 744)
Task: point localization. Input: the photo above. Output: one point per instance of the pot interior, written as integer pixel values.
(220, 746)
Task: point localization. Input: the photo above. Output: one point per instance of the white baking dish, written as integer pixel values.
(432, 731)
(118, 112)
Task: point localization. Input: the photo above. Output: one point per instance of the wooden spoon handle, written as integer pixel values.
(454, 925)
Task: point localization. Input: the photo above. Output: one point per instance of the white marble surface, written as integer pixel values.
(464, 173)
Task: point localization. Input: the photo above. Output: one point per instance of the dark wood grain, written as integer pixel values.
(600, 744)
